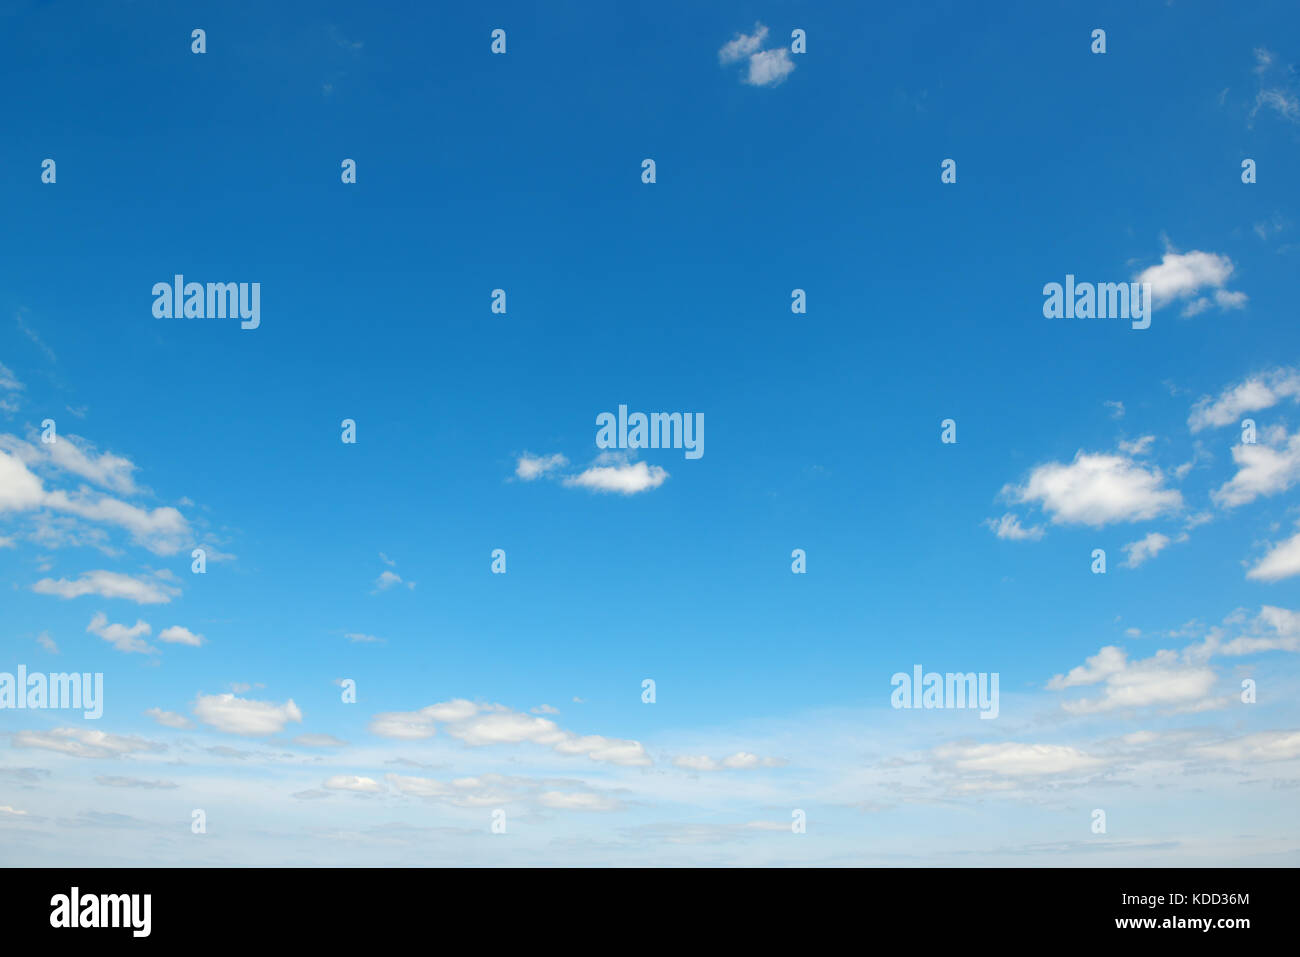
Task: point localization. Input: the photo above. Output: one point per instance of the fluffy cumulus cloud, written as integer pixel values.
(1265, 467)
(609, 472)
(763, 67)
(625, 478)
(1253, 394)
(234, 715)
(1166, 679)
(1097, 489)
(1185, 276)
(163, 530)
(478, 725)
(1281, 561)
(120, 636)
(176, 635)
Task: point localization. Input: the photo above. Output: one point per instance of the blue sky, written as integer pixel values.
(522, 692)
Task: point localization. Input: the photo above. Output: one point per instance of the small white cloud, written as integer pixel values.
(740, 761)
(765, 67)
(770, 67)
(1263, 468)
(625, 479)
(530, 467)
(176, 635)
(1181, 276)
(121, 637)
(107, 584)
(1145, 548)
(81, 743)
(1255, 393)
(225, 712)
(742, 45)
(1097, 489)
(1282, 561)
(169, 719)
(1008, 527)
(352, 782)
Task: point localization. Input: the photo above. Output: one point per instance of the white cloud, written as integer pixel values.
(1138, 446)
(481, 725)
(740, 761)
(626, 478)
(117, 781)
(352, 782)
(770, 67)
(81, 743)
(48, 643)
(1144, 548)
(319, 741)
(1282, 561)
(8, 381)
(225, 712)
(20, 490)
(74, 454)
(530, 467)
(1096, 489)
(107, 584)
(1009, 527)
(1255, 748)
(1103, 664)
(1274, 629)
(389, 579)
(169, 719)
(578, 801)
(361, 638)
(1257, 392)
(742, 45)
(765, 67)
(120, 636)
(1261, 470)
(1183, 275)
(1165, 679)
(176, 635)
(162, 530)
(1015, 759)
